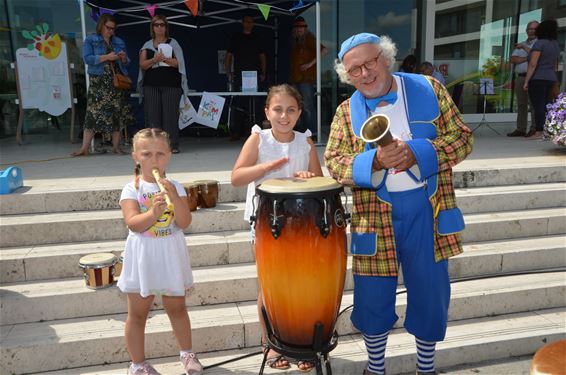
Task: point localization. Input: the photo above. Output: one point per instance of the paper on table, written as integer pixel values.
(166, 50)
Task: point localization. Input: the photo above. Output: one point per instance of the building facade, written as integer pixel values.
(466, 40)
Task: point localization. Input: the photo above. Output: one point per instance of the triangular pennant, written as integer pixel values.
(298, 5)
(151, 9)
(104, 10)
(192, 5)
(264, 9)
(94, 13)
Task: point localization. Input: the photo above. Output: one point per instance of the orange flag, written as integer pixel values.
(193, 6)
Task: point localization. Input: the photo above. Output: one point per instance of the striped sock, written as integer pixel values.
(425, 355)
(375, 345)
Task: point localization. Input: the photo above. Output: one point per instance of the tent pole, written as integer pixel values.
(318, 78)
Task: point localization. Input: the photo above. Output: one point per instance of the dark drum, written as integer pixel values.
(301, 256)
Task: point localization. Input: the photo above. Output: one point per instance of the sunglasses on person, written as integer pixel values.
(159, 24)
(356, 71)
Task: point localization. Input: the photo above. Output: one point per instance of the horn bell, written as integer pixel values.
(375, 130)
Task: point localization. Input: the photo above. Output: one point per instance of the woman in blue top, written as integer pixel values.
(107, 108)
(541, 72)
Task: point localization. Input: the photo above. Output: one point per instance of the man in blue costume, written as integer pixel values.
(404, 208)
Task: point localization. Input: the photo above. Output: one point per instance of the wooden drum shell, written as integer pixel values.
(207, 193)
(98, 270)
(192, 195)
(301, 273)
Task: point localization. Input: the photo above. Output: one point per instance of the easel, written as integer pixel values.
(20, 101)
(484, 86)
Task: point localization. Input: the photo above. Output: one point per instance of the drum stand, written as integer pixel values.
(318, 353)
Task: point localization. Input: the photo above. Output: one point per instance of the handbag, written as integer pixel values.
(120, 81)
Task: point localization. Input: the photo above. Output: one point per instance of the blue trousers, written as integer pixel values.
(427, 282)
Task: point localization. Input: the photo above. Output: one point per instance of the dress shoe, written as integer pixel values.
(516, 133)
(530, 133)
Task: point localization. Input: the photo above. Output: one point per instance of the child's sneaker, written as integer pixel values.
(191, 364)
(145, 369)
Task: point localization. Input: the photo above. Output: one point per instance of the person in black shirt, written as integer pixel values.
(163, 77)
(246, 53)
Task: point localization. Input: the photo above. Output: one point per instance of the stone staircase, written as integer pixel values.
(51, 323)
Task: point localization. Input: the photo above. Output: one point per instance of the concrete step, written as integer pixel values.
(61, 260)
(467, 341)
(39, 229)
(49, 228)
(63, 200)
(206, 249)
(513, 197)
(83, 200)
(69, 298)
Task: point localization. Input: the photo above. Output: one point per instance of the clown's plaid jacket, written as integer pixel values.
(370, 214)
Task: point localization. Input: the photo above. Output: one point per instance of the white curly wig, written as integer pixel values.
(388, 52)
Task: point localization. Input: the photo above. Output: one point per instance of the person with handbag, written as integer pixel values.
(107, 109)
(162, 80)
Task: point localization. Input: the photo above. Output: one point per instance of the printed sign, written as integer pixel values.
(210, 109)
(187, 113)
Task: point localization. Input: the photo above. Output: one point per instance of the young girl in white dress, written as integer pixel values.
(272, 153)
(156, 261)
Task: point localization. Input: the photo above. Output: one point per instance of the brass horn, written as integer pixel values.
(375, 130)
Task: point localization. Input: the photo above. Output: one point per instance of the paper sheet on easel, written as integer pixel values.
(486, 86)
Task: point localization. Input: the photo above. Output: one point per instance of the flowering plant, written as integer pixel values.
(555, 125)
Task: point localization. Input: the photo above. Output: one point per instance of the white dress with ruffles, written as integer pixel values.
(298, 152)
(156, 262)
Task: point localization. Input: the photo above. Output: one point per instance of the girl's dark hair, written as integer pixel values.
(159, 17)
(547, 29)
(105, 17)
(285, 89)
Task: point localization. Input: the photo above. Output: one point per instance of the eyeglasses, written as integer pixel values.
(110, 28)
(159, 24)
(356, 71)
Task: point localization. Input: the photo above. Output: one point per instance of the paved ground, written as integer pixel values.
(46, 165)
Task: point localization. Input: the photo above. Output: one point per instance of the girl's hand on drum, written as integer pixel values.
(274, 164)
(304, 174)
(159, 205)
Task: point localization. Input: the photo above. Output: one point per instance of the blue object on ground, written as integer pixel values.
(10, 180)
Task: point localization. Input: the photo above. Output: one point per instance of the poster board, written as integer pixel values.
(44, 82)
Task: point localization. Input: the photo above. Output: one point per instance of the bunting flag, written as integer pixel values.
(104, 10)
(298, 5)
(192, 5)
(264, 9)
(151, 9)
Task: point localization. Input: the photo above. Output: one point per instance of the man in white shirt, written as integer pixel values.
(519, 59)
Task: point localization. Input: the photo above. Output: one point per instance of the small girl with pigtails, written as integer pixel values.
(156, 260)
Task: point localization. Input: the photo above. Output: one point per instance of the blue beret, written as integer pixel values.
(356, 40)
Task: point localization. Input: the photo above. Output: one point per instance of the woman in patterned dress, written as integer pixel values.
(107, 110)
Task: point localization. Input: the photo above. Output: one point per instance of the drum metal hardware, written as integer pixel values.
(276, 222)
(323, 222)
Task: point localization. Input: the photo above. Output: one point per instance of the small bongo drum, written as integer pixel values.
(118, 266)
(550, 359)
(192, 195)
(98, 270)
(207, 193)
(301, 256)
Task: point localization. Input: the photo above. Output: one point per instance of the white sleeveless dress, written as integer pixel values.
(298, 152)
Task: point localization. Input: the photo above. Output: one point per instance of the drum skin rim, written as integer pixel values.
(110, 260)
(300, 186)
(205, 182)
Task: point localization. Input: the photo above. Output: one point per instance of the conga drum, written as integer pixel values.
(207, 193)
(192, 195)
(98, 270)
(301, 254)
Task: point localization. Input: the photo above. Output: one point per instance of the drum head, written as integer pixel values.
(190, 185)
(299, 185)
(206, 182)
(98, 259)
